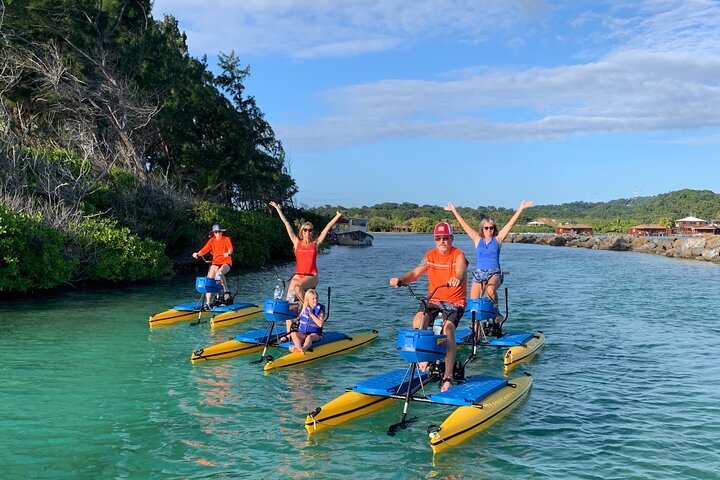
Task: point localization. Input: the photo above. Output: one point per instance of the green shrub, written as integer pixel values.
(62, 158)
(32, 256)
(110, 253)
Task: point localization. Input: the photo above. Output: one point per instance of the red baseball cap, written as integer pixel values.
(442, 228)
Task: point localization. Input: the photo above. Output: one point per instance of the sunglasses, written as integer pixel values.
(438, 239)
(488, 228)
(307, 229)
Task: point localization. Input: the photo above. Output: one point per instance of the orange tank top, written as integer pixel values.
(306, 258)
(440, 269)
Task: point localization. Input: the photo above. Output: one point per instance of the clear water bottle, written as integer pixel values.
(438, 324)
(278, 292)
(292, 298)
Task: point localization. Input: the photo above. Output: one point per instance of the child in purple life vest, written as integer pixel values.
(310, 323)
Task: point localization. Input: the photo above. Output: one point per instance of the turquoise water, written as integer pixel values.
(627, 386)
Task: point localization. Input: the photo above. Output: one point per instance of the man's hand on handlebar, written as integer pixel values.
(453, 282)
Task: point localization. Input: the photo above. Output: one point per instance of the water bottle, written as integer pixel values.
(292, 298)
(438, 325)
(278, 292)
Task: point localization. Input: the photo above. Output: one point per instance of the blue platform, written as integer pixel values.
(463, 335)
(232, 307)
(327, 337)
(188, 307)
(470, 392)
(260, 336)
(388, 383)
(195, 307)
(511, 339)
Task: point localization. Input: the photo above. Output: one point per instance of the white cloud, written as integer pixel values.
(310, 28)
(631, 91)
(664, 78)
(653, 66)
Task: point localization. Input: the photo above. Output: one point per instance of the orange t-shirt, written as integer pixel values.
(440, 269)
(306, 258)
(219, 247)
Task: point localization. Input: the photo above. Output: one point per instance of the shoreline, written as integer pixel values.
(692, 248)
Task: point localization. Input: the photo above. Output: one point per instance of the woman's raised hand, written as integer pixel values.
(449, 207)
(526, 203)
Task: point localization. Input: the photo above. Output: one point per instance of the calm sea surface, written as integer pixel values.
(627, 385)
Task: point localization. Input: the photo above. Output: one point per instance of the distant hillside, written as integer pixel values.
(604, 217)
(699, 203)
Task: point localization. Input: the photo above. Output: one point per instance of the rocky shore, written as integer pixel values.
(696, 248)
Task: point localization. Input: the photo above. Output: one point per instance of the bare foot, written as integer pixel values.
(294, 349)
(446, 385)
(422, 366)
(302, 351)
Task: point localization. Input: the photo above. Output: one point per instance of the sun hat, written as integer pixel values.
(216, 228)
(442, 228)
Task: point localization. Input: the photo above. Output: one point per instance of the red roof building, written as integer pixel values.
(573, 229)
(687, 225)
(646, 230)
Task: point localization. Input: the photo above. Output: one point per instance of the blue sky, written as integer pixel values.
(477, 102)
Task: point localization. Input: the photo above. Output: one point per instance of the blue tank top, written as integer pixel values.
(488, 254)
(307, 325)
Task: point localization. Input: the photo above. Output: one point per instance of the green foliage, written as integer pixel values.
(257, 237)
(615, 216)
(380, 224)
(110, 253)
(422, 224)
(532, 229)
(123, 181)
(208, 134)
(32, 255)
(62, 158)
(385, 217)
(656, 209)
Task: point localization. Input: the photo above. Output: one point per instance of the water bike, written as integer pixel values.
(487, 322)
(277, 312)
(223, 312)
(481, 400)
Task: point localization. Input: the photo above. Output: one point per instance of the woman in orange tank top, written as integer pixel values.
(305, 248)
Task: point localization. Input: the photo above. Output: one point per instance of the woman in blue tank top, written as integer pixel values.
(310, 323)
(487, 276)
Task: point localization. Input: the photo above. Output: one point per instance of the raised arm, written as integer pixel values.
(508, 226)
(472, 233)
(295, 240)
(327, 228)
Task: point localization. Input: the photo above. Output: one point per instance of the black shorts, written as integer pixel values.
(451, 311)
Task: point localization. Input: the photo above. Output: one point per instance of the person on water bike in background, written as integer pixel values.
(446, 267)
(305, 246)
(221, 248)
(487, 276)
(309, 323)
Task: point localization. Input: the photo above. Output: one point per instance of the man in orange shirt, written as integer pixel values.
(446, 268)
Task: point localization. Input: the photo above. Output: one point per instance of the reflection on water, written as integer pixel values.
(626, 385)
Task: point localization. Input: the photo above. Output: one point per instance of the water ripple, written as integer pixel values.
(628, 385)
